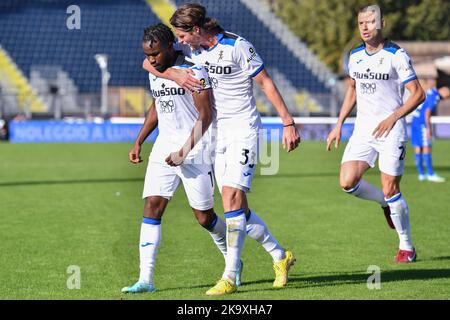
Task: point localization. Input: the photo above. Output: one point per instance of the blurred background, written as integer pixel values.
(80, 61)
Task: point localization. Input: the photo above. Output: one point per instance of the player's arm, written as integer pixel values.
(202, 101)
(291, 137)
(347, 107)
(416, 97)
(428, 123)
(150, 123)
(182, 76)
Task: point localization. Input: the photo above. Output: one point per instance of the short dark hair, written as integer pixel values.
(369, 7)
(158, 33)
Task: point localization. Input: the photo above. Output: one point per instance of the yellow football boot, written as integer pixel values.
(281, 269)
(223, 286)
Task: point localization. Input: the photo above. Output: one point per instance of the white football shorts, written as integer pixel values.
(163, 180)
(391, 153)
(235, 158)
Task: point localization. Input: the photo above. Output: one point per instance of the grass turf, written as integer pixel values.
(80, 204)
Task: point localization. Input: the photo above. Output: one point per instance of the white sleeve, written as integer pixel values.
(247, 58)
(349, 66)
(201, 74)
(403, 65)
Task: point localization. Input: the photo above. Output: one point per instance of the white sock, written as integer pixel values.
(257, 230)
(400, 218)
(218, 231)
(367, 191)
(235, 242)
(148, 247)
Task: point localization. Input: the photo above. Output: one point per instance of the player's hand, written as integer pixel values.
(184, 78)
(175, 159)
(134, 154)
(384, 127)
(334, 135)
(146, 65)
(291, 138)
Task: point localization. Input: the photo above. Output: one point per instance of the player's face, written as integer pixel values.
(367, 23)
(158, 55)
(191, 38)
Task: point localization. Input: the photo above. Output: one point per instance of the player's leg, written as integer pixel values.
(215, 226)
(357, 159)
(418, 138)
(241, 177)
(427, 156)
(150, 238)
(392, 165)
(159, 186)
(418, 159)
(198, 183)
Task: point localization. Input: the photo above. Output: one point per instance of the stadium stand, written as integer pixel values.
(34, 34)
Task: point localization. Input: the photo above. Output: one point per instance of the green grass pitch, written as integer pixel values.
(80, 204)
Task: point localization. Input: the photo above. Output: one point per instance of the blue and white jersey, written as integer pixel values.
(176, 111)
(380, 79)
(231, 65)
(430, 103)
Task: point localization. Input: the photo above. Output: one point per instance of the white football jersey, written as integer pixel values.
(176, 111)
(380, 80)
(231, 64)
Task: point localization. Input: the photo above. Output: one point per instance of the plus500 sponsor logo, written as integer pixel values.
(168, 92)
(371, 76)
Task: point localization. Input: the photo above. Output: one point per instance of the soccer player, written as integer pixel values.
(232, 64)
(180, 153)
(421, 133)
(380, 70)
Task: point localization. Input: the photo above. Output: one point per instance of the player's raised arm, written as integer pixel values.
(347, 107)
(291, 137)
(150, 123)
(183, 77)
(416, 97)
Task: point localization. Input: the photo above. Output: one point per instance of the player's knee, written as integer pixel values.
(348, 184)
(153, 208)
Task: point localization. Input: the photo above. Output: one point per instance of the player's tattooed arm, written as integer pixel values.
(150, 123)
(291, 136)
(202, 101)
(347, 107)
(183, 77)
(416, 97)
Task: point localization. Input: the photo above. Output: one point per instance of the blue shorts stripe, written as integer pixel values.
(232, 214)
(151, 221)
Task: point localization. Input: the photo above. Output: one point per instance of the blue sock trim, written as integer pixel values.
(394, 198)
(352, 190)
(235, 213)
(151, 221)
(213, 224)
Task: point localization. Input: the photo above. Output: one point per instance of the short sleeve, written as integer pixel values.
(403, 66)
(201, 74)
(247, 58)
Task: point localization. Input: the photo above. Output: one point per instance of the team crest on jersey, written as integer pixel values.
(220, 56)
(252, 54)
(380, 62)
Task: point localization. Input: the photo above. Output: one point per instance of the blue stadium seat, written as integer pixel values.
(34, 32)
